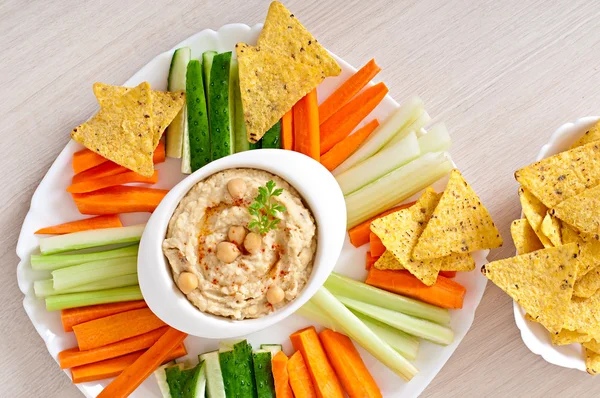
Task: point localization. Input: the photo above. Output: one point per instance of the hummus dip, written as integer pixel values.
(256, 282)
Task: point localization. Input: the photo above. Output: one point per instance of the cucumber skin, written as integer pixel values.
(198, 129)
(189, 387)
(255, 145)
(207, 61)
(176, 379)
(245, 370)
(173, 148)
(263, 373)
(272, 138)
(218, 99)
(228, 370)
(240, 137)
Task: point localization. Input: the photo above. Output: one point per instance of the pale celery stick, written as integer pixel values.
(415, 126)
(56, 261)
(94, 271)
(396, 186)
(359, 332)
(340, 285)
(378, 165)
(417, 327)
(436, 139)
(74, 300)
(45, 287)
(397, 339)
(91, 238)
(403, 116)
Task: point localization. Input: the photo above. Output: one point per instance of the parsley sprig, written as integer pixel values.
(263, 212)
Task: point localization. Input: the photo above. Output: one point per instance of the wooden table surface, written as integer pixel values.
(503, 75)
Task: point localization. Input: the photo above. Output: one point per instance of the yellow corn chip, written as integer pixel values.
(580, 211)
(540, 281)
(592, 362)
(584, 315)
(270, 85)
(524, 237)
(165, 105)
(568, 234)
(530, 318)
(592, 345)
(589, 257)
(123, 131)
(551, 228)
(534, 211)
(559, 177)
(565, 337)
(459, 224)
(283, 33)
(591, 135)
(587, 285)
(388, 261)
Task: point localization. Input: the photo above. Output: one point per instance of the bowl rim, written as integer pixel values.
(318, 190)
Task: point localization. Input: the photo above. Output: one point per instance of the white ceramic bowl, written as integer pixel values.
(320, 192)
(534, 335)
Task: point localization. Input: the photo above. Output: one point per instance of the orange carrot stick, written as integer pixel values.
(343, 149)
(75, 357)
(348, 365)
(360, 234)
(99, 222)
(377, 247)
(347, 90)
(444, 293)
(300, 381)
(110, 181)
(324, 380)
(306, 126)
(86, 159)
(279, 365)
(113, 328)
(341, 124)
(113, 367)
(109, 168)
(136, 373)
(119, 199)
(75, 316)
(287, 131)
(448, 274)
(370, 261)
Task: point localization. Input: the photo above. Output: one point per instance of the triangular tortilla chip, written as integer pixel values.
(591, 135)
(587, 285)
(283, 33)
(459, 224)
(270, 84)
(593, 345)
(581, 211)
(123, 131)
(458, 263)
(551, 228)
(584, 315)
(399, 233)
(524, 237)
(165, 105)
(388, 261)
(540, 281)
(589, 256)
(562, 176)
(566, 336)
(534, 211)
(592, 362)
(568, 234)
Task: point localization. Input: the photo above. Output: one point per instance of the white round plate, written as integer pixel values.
(51, 204)
(534, 335)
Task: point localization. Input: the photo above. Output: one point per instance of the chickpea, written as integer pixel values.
(187, 282)
(253, 242)
(275, 295)
(227, 252)
(236, 188)
(236, 234)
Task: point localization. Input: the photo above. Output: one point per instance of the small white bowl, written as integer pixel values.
(320, 192)
(535, 337)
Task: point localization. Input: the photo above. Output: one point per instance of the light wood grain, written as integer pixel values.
(503, 75)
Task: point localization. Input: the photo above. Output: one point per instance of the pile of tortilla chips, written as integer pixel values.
(437, 233)
(556, 275)
(129, 125)
(285, 65)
